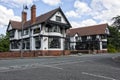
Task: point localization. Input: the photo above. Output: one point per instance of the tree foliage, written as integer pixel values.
(4, 42)
(114, 39)
(116, 22)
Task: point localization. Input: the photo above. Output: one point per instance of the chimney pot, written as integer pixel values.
(24, 16)
(33, 14)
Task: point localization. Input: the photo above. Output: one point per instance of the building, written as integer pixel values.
(91, 38)
(45, 33)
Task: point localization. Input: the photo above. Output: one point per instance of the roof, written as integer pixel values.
(40, 19)
(89, 30)
(15, 24)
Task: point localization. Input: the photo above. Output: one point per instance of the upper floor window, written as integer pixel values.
(25, 32)
(58, 18)
(54, 29)
(103, 36)
(76, 38)
(12, 33)
(36, 30)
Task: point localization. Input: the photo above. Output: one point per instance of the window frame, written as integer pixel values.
(58, 18)
(54, 44)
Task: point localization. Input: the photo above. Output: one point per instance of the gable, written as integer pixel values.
(76, 35)
(58, 13)
(9, 27)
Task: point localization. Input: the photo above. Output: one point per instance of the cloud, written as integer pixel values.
(17, 3)
(100, 10)
(105, 9)
(83, 23)
(6, 15)
(81, 8)
(72, 14)
(52, 2)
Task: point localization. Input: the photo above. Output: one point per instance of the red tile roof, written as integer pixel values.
(15, 24)
(90, 30)
(40, 19)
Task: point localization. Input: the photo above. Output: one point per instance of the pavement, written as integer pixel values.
(73, 67)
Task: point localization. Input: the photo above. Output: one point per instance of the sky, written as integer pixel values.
(80, 13)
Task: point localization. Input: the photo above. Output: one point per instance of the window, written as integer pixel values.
(84, 38)
(23, 45)
(94, 37)
(103, 36)
(25, 32)
(37, 42)
(104, 44)
(76, 38)
(54, 29)
(36, 30)
(27, 43)
(58, 18)
(12, 33)
(54, 42)
(14, 45)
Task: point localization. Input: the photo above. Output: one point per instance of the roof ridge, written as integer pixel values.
(44, 13)
(90, 26)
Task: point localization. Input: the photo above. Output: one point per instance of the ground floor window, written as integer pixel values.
(54, 42)
(14, 44)
(104, 44)
(26, 44)
(37, 42)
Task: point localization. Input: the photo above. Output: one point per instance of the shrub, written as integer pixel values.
(111, 49)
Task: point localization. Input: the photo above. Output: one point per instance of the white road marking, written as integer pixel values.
(27, 66)
(53, 67)
(67, 63)
(94, 75)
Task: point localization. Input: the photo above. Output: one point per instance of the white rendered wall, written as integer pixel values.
(58, 14)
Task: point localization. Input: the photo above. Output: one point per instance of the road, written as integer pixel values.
(85, 67)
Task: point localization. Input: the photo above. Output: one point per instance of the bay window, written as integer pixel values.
(54, 42)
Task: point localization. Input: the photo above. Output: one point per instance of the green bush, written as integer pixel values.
(111, 49)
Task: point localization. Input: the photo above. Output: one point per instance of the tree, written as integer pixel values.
(4, 42)
(116, 22)
(114, 38)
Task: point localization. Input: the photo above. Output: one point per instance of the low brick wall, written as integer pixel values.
(87, 51)
(15, 54)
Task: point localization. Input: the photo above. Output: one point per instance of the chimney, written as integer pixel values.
(33, 14)
(24, 16)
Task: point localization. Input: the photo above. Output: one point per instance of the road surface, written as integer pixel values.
(85, 67)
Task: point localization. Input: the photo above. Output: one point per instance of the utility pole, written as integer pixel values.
(22, 25)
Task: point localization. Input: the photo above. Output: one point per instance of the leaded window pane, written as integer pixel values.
(54, 42)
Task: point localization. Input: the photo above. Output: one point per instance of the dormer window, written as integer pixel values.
(58, 18)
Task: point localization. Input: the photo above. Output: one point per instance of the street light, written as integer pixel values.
(22, 25)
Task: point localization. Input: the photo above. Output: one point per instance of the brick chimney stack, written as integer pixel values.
(33, 14)
(24, 16)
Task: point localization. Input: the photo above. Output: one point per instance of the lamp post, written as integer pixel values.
(22, 25)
